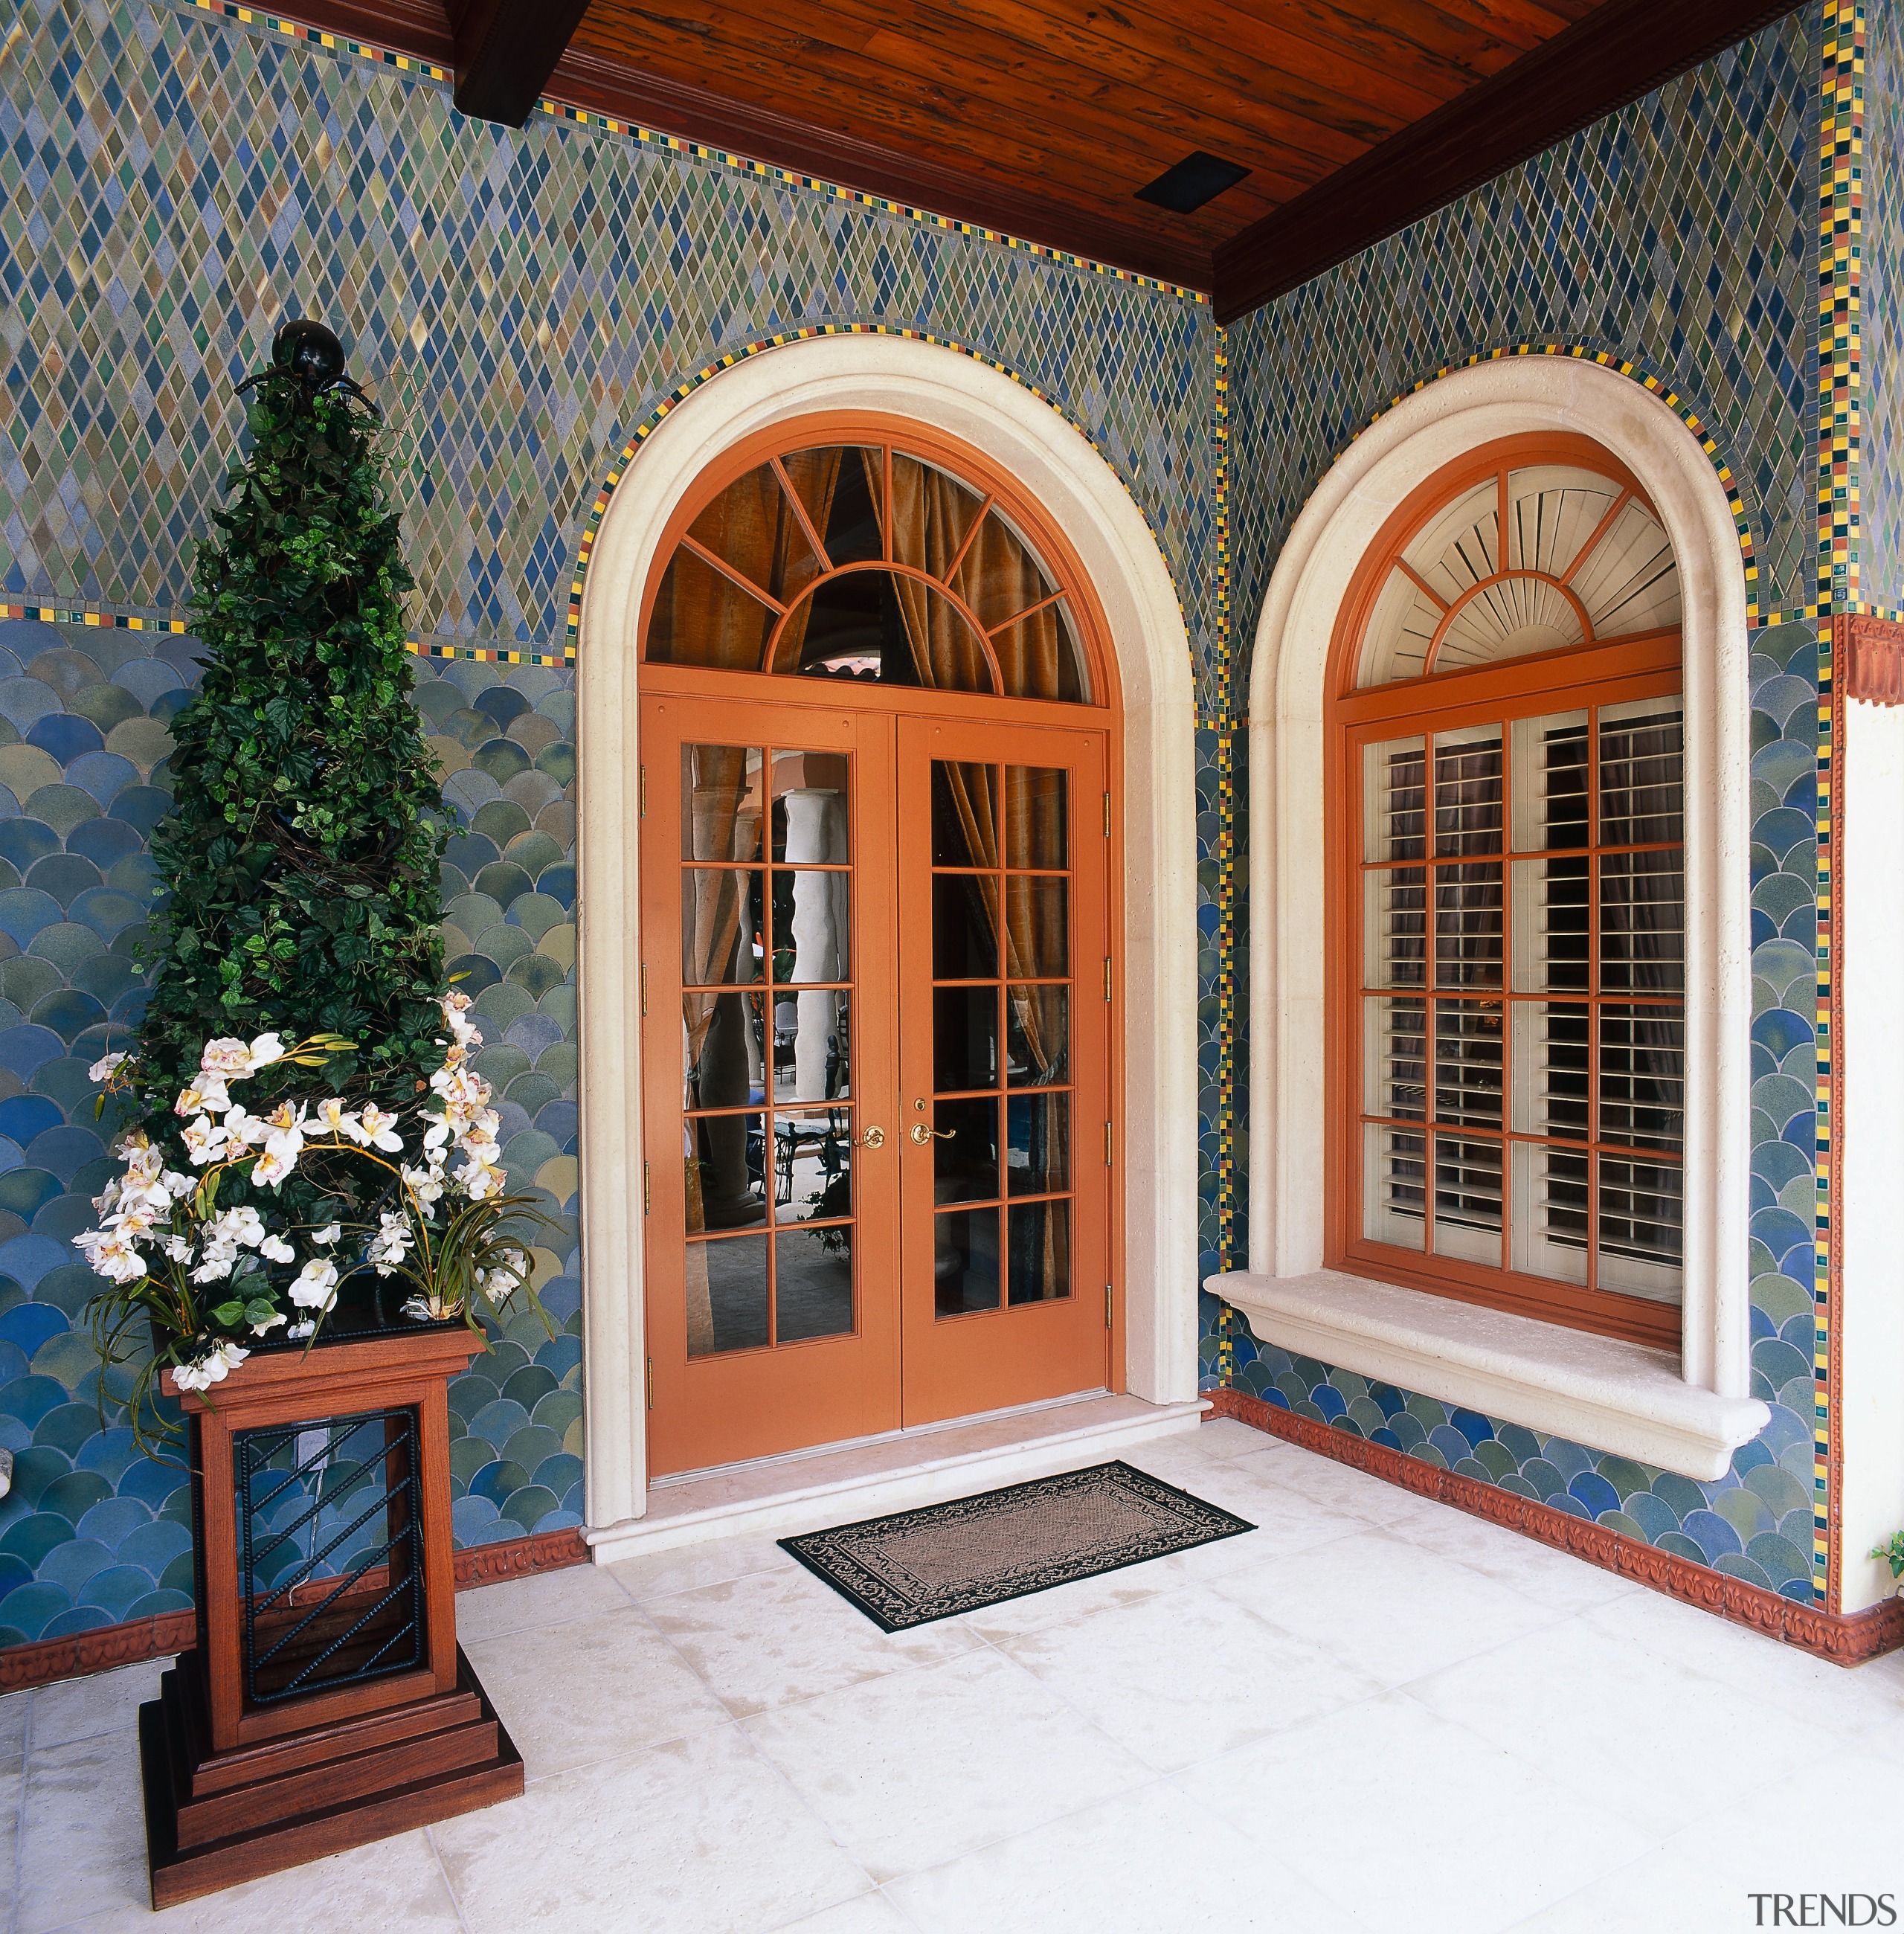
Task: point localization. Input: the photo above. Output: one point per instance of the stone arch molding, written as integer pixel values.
(957, 394)
(1614, 1396)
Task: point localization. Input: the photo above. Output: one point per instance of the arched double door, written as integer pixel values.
(878, 997)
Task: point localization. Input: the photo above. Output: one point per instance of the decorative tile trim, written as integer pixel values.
(138, 1640)
(1226, 840)
(629, 131)
(1829, 1635)
(337, 43)
(1868, 655)
(679, 394)
(1827, 1555)
(1841, 215)
(1707, 442)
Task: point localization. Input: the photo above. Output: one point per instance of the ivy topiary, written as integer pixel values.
(300, 862)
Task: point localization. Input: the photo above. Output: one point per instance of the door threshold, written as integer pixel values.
(843, 1444)
(898, 1470)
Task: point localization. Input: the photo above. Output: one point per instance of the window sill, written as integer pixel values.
(1596, 1391)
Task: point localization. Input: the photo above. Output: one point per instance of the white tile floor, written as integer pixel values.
(1371, 1713)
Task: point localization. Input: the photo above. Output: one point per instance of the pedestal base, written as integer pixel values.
(213, 1820)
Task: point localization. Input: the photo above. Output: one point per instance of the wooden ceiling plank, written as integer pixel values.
(977, 141)
(1410, 35)
(505, 52)
(610, 86)
(876, 100)
(1623, 49)
(905, 64)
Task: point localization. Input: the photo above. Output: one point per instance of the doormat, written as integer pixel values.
(917, 1566)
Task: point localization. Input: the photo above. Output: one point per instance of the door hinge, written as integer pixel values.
(1107, 1325)
(645, 1202)
(651, 1373)
(644, 987)
(1107, 976)
(1107, 1144)
(1107, 815)
(641, 807)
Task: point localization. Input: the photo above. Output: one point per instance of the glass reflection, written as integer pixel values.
(966, 1261)
(1040, 1236)
(964, 927)
(720, 927)
(812, 1165)
(1035, 831)
(1038, 1143)
(1037, 1036)
(725, 1184)
(966, 1166)
(727, 1291)
(965, 814)
(812, 1284)
(964, 1038)
(721, 803)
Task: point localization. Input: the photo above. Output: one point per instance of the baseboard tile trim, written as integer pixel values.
(1843, 1638)
(80, 1654)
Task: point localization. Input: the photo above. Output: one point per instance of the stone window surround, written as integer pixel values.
(1619, 1396)
(1079, 491)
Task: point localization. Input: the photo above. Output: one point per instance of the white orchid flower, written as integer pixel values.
(332, 1115)
(105, 1068)
(391, 1243)
(107, 1199)
(425, 1184)
(203, 1143)
(271, 1166)
(378, 1130)
(242, 1130)
(213, 1368)
(178, 1247)
(265, 1048)
(111, 1255)
(226, 1058)
(243, 1224)
(328, 1233)
(270, 1323)
(277, 1249)
(316, 1286)
(177, 1185)
(300, 1330)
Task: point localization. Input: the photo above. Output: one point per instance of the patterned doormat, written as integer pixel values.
(917, 1566)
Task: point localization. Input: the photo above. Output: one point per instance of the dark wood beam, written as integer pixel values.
(1623, 49)
(506, 50)
(585, 79)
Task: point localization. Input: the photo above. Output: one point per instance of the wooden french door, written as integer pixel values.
(877, 1071)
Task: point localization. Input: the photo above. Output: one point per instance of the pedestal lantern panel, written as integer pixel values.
(326, 1702)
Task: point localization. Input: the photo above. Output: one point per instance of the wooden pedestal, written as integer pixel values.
(247, 1770)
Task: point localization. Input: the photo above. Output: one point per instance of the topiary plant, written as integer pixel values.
(300, 860)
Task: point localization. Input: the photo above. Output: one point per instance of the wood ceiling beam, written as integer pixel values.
(1622, 50)
(505, 52)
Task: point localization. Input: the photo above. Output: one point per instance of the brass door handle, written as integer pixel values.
(921, 1134)
(873, 1138)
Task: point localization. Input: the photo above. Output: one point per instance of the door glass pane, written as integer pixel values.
(723, 1047)
(725, 1187)
(964, 927)
(721, 803)
(812, 1284)
(720, 925)
(933, 513)
(811, 925)
(966, 1261)
(1034, 827)
(1038, 1143)
(965, 814)
(809, 808)
(964, 1038)
(727, 1290)
(812, 1060)
(885, 627)
(965, 1167)
(999, 576)
(843, 491)
(752, 527)
(1036, 905)
(703, 617)
(812, 1165)
(1041, 1250)
(1394, 1186)
(1037, 1036)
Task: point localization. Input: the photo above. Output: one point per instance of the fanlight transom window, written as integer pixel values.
(1584, 560)
(864, 561)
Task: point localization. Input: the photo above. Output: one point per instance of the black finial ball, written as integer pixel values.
(310, 352)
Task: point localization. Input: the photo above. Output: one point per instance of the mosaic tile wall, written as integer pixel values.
(1881, 579)
(520, 301)
(91, 1533)
(1756, 1522)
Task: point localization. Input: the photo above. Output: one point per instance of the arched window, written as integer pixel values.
(1507, 1010)
(868, 561)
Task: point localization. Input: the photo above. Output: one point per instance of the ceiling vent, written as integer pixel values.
(1196, 178)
